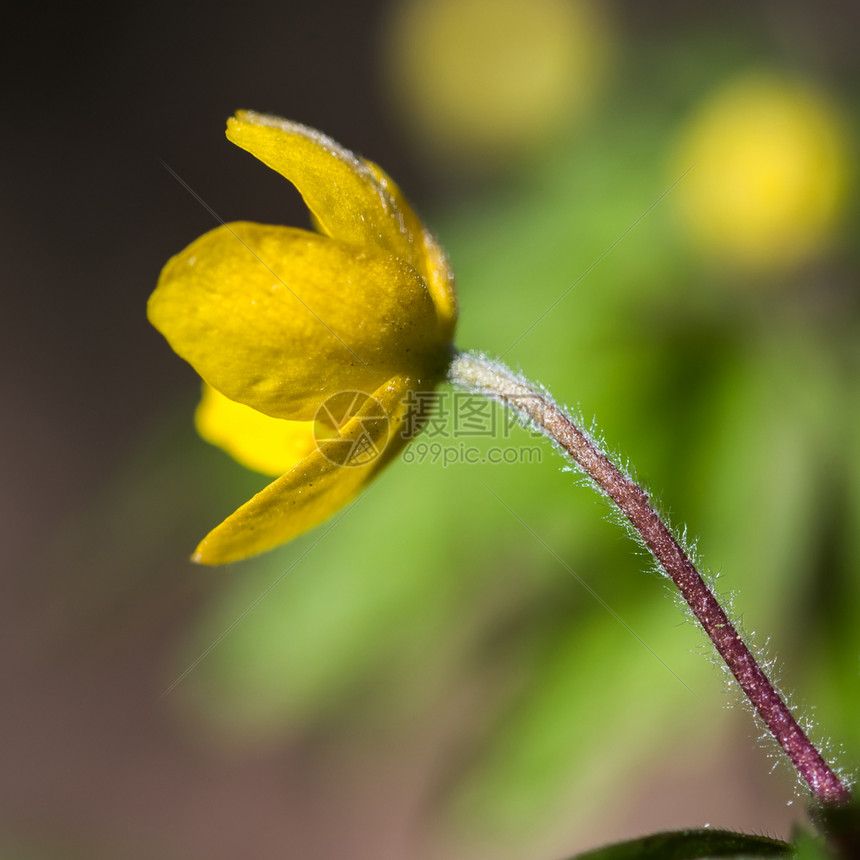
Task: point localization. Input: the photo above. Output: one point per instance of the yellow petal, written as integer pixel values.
(316, 487)
(432, 262)
(268, 445)
(351, 199)
(279, 319)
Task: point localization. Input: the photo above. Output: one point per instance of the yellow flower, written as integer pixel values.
(310, 344)
(770, 176)
(482, 81)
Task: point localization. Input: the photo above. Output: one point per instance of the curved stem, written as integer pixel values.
(535, 408)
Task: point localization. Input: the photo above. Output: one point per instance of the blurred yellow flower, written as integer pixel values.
(770, 172)
(309, 342)
(483, 80)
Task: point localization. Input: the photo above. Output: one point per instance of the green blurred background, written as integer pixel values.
(652, 209)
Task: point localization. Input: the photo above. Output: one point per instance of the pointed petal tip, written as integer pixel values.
(208, 555)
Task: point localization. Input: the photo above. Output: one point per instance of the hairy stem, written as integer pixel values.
(536, 409)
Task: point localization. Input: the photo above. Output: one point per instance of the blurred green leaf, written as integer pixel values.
(841, 828)
(808, 846)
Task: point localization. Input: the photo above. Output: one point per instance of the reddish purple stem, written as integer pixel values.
(493, 380)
